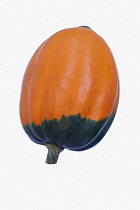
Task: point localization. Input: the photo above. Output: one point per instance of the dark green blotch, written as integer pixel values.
(32, 131)
(100, 134)
(72, 132)
(85, 27)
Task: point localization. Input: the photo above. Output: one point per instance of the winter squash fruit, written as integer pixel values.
(70, 92)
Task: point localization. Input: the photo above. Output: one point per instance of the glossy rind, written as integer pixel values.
(70, 90)
(71, 72)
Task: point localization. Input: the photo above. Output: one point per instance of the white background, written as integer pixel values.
(106, 177)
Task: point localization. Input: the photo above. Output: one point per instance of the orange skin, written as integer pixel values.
(72, 72)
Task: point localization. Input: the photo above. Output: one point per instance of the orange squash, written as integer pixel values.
(70, 92)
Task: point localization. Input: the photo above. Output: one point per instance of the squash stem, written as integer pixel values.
(53, 153)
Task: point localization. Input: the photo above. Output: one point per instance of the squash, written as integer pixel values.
(70, 92)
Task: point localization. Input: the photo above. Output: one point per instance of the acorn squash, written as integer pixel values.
(70, 92)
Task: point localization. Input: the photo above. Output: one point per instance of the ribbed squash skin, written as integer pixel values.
(70, 90)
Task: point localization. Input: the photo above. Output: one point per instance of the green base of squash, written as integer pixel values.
(70, 132)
